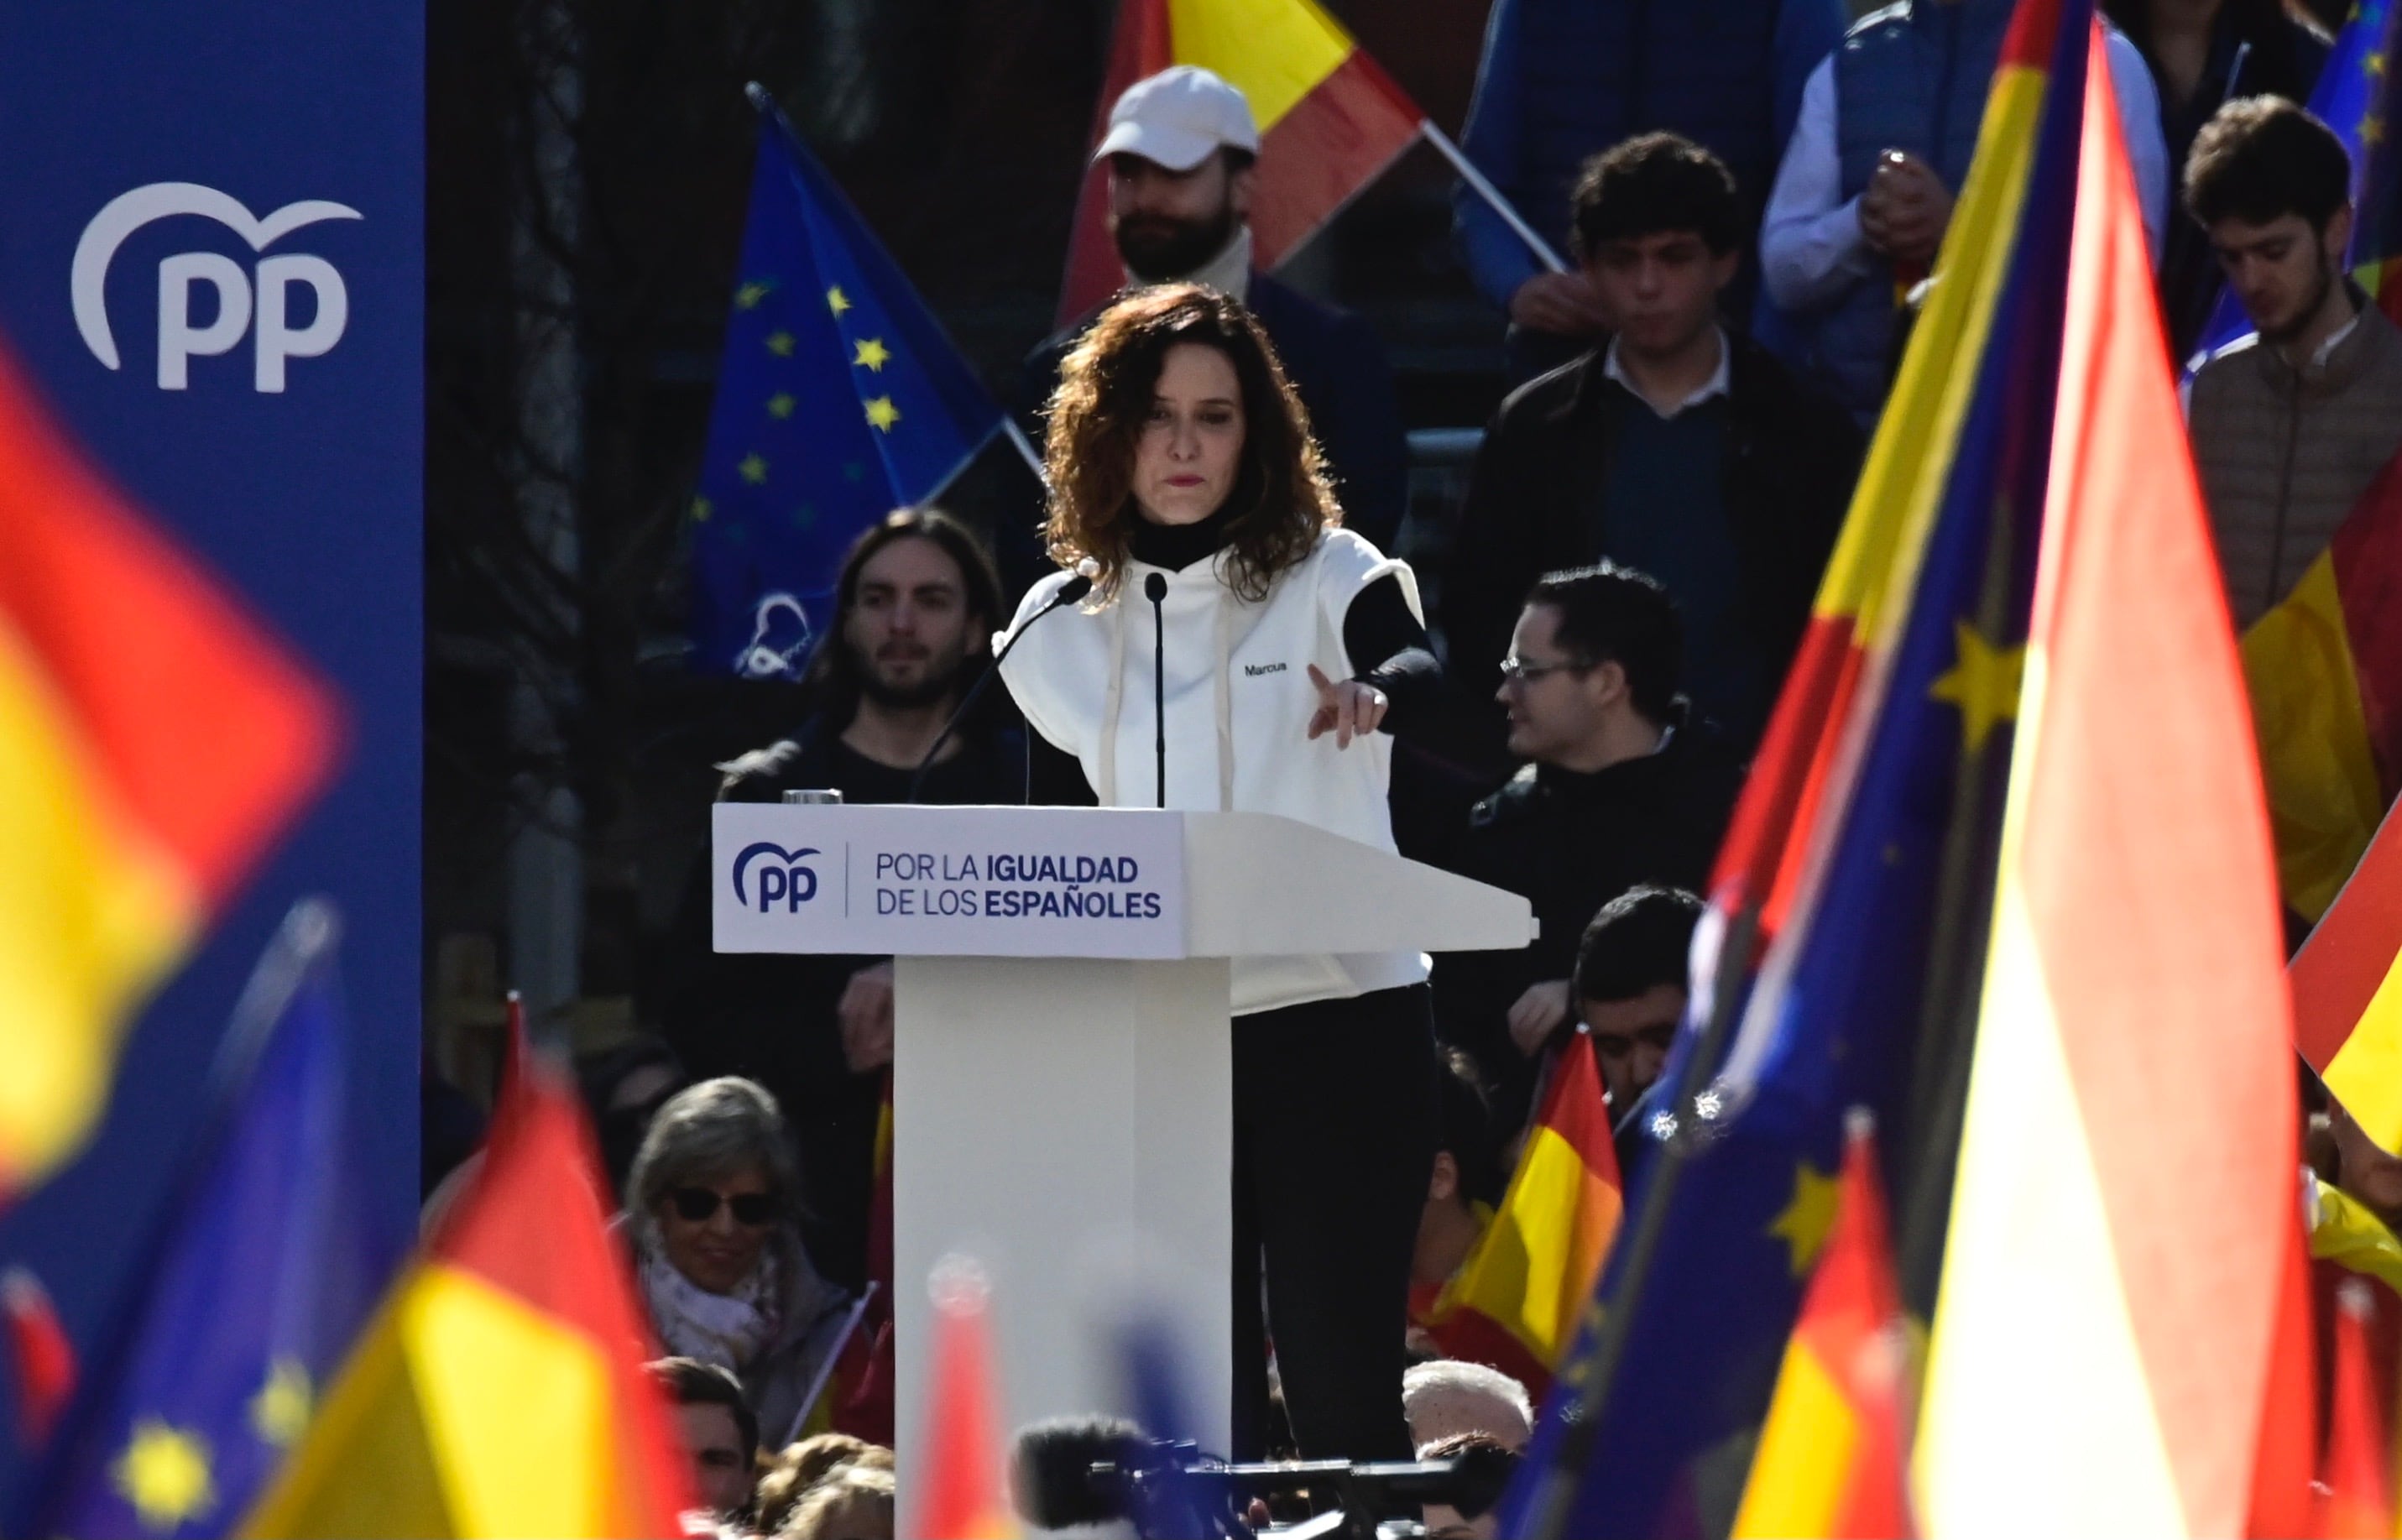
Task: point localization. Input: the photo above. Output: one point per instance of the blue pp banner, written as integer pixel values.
(211, 233)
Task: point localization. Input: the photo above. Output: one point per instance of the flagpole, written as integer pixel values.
(1554, 1498)
(1484, 189)
(1929, 1147)
(1017, 436)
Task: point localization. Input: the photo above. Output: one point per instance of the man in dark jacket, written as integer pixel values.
(917, 604)
(1626, 787)
(1181, 149)
(1562, 79)
(1681, 449)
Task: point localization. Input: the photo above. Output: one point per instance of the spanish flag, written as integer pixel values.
(1832, 1453)
(1515, 1303)
(2325, 671)
(1329, 119)
(2357, 1502)
(961, 1493)
(2347, 986)
(499, 1390)
(2104, 1344)
(154, 741)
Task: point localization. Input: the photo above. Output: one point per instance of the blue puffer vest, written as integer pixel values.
(1598, 70)
(1912, 77)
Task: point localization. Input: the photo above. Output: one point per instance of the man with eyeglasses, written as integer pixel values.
(1626, 785)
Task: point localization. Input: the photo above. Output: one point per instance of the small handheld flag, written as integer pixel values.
(499, 1391)
(1516, 1300)
(1833, 1451)
(839, 400)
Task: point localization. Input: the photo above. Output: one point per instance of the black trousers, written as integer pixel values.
(1335, 1133)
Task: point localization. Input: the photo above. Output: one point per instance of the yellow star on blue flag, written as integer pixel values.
(834, 376)
(269, 1261)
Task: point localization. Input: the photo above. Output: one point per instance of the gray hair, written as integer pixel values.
(1450, 1396)
(709, 1132)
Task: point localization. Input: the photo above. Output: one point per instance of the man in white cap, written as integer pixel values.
(1181, 149)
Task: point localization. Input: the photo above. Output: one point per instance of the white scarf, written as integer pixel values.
(730, 1330)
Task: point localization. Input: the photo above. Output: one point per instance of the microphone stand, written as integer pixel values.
(1155, 588)
(1069, 592)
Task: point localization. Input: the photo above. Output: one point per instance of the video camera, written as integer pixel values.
(1098, 1470)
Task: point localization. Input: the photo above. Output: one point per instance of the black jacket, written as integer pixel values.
(1337, 363)
(1570, 843)
(1535, 502)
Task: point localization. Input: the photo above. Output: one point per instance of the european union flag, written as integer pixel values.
(839, 400)
(2358, 93)
(1863, 995)
(269, 1263)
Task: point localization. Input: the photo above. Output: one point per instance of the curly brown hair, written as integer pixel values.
(1097, 415)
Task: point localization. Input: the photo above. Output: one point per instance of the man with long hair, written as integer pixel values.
(916, 607)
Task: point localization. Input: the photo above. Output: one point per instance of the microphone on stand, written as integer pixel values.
(1069, 592)
(1155, 588)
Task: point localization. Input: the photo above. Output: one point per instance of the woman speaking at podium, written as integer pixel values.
(1185, 486)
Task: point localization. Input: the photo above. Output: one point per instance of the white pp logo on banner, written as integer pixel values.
(239, 300)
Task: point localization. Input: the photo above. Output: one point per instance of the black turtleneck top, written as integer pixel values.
(1378, 624)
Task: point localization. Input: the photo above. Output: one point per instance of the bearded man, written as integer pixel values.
(1181, 149)
(917, 604)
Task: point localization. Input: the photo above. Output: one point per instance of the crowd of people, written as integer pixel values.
(1749, 193)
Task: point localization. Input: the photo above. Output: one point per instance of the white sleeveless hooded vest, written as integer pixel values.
(1239, 702)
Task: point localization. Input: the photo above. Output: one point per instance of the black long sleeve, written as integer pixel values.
(1389, 646)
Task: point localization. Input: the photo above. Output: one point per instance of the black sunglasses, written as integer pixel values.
(697, 1204)
(1659, 1037)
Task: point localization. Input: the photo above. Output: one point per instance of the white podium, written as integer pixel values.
(1062, 1066)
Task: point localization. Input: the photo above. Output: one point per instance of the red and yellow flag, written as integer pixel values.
(2104, 1339)
(2357, 1503)
(2324, 672)
(153, 741)
(1831, 1455)
(961, 1493)
(2347, 986)
(499, 1391)
(1515, 1303)
(1330, 120)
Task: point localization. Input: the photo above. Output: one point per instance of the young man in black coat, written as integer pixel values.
(1680, 448)
(917, 605)
(1628, 785)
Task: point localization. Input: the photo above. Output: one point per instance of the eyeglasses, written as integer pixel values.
(1517, 670)
(1658, 1036)
(698, 1204)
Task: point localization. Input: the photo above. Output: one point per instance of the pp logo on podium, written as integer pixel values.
(781, 876)
(257, 304)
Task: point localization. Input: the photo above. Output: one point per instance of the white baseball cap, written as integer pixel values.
(1179, 118)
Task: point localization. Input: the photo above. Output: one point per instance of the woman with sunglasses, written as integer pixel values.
(1185, 485)
(712, 1207)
